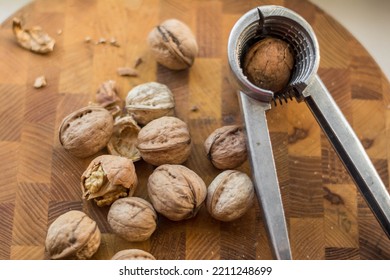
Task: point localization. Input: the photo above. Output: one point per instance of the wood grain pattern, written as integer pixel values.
(326, 215)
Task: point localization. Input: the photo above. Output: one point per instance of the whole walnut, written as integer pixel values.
(86, 131)
(132, 218)
(176, 191)
(173, 44)
(268, 64)
(73, 235)
(133, 254)
(165, 140)
(149, 101)
(108, 178)
(226, 147)
(230, 195)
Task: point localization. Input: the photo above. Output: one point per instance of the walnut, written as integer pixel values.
(173, 44)
(165, 140)
(40, 82)
(149, 101)
(86, 131)
(132, 218)
(73, 235)
(226, 147)
(133, 254)
(34, 39)
(230, 195)
(124, 139)
(269, 63)
(107, 97)
(176, 191)
(108, 178)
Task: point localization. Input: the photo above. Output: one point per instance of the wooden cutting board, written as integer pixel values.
(327, 217)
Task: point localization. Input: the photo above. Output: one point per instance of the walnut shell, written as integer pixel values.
(107, 97)
(132, 218)
(149, 101)
(73, 235)
(86, 131)
(165, 140)
(176, 191)
(123, 140)
(269, 63)
(173, 44)
(230, 195)
(108, 178)
(133, 254)
(226, 147)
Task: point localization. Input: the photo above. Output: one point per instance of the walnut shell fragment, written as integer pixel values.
(165, 140)
(230, 195)
(132, 218)
(149, 101)
(108, 178)
(226, 147)
(173, 44)
(107, 96)
(176, 191)
(133, 254)
(124, 139)
(34, 39)
(73, 235)
(86, 131)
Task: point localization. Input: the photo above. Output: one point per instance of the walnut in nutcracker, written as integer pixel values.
(133, 254)
(269, 63)
(176, 191)
(86, 131)
(108, 178)
(230, 195)
(149, 101)
(73, 235)
(173, 44)
(132, 218)
(226, 147)
(165, 140)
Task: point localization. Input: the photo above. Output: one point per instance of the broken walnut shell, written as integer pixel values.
(149, 101)
(132, 218)
(165, 140)
(230, 195)
(133, 254)
(73, 235)
(226, 147)
(34, 39)
(107, 96)
(86, 131)
(176, 191)
(173, 44)
(123, 140)
(108, 178)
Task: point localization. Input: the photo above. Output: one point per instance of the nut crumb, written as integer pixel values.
(40, 82)
(127, 71)
(59, 31)
(138, 62)
(87, 39)
(114, 43)
(101, 41)
(194, 108)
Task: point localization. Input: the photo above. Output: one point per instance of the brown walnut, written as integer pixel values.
(133, 254)
(108, 178)
(226, 147)
(165, 140)
(268, 64)
(73, 235)
(176, 191)
(86, 131)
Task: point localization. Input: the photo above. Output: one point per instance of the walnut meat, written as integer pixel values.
(230, 195)
(108, 178)
(133, 254)
(149, 101)
(269, 63)
(226, 147)
(123, 140)
(173, 44)
(86, 131)
(132, 218)
(176, 191)
(73, 235)
(165, 140)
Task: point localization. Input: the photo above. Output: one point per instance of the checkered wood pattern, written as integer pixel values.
(327, 217)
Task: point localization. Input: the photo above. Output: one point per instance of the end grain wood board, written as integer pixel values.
(327, 217)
